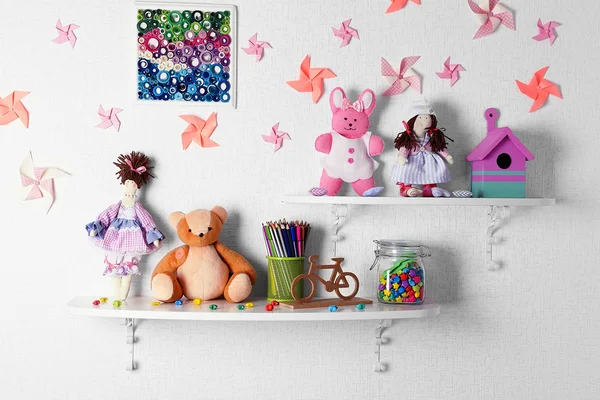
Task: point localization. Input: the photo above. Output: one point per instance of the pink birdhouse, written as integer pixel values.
(498, 163)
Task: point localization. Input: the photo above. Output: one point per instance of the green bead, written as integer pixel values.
(241, 306)
(360, 306)
(196, 27)
(206, 25)
(187, 14)
(175, 17)
(176, 29)
(117, 303)
(163, 18)
(227, 13)
(185, 25)
(213, 306)
(225, 29)
(206, 15)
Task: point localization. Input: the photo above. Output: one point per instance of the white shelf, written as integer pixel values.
(142, 308)
(418, 201)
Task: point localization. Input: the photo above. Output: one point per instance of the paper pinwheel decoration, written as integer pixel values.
(199, 131)
(256, 47)
(346, 33)
(39, 182)
(276, 137)
(311, 79)
(546, 31)
(66, 33)
(539, 89)
(403, 79)
(491, 14)
(400, 4)
(11, 108)
(451, 71)
(109, 118)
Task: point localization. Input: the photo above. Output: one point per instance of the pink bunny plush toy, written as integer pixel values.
(349, 147)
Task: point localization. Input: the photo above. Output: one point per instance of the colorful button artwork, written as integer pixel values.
(184, 55)
(403, 283)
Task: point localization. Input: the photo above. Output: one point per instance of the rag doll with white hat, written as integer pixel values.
(422, 154)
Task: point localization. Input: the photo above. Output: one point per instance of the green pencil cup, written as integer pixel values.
(282, 271)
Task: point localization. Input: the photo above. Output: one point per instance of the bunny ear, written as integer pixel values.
(369, 100)
(335, 98)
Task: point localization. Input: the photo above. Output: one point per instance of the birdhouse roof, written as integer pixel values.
(493, 139)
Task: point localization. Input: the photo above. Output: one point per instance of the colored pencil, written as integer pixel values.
(285, 239)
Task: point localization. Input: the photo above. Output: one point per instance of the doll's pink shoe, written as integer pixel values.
(409, 191)
(317, 191)
(374, 191)
(427, 190)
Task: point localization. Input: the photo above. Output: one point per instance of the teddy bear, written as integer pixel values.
(349, 147)
(203, 268)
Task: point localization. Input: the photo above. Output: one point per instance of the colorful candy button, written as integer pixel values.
(360, 306)
(96, 302)
(117, 303)
(269, 307)
(156, 303)
(103, 299)
(178, 302)
(249, 304)
(213, 306)
(275, 303)
(240, 306)
(333, 308)
(197, 302)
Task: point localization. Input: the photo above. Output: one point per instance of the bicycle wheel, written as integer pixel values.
(349, 283)
(307, 280)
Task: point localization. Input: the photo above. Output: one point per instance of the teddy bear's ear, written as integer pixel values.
(335, 99)
(175, 217)
(221, 213)
(369, 100)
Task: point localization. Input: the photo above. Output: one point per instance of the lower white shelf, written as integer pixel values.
(142, 308)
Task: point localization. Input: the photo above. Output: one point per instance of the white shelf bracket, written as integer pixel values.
(130, 342)
(381, 325)
(496, 215)
(338, 213)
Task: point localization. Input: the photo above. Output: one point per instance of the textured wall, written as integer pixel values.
(527, 331)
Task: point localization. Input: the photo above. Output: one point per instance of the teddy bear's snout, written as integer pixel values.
(201, 234)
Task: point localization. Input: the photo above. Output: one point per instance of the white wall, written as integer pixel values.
(527, 331)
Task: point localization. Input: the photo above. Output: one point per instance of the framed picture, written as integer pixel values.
(186, 53)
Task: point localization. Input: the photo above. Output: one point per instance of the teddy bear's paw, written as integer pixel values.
(162, 287)
(238, 288)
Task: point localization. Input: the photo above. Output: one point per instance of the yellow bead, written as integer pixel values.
(398, 299)
(395, 286)
(404, 294)
(415, 288)
(156, 303)
(197, 301)
(383, 281)
(103, 299)
(417, 294)
(420, 284)
(249, 304)
(387, 292)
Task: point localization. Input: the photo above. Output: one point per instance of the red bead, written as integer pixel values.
(269, 307)
(275, 303)
(403, 277)
(96, 302)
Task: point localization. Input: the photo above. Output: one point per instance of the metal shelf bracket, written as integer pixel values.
(338, 213)
(496, 215)
(130, 342)
(381, 325)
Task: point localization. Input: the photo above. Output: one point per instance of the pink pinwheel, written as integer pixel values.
(109, 118)
(199, 131)
(546, 31)
(66, 33)
(12, 109)
(539, 89)
(491, 14)
(404, 78)
(256, 47)
(276, 137)
(39, 182)
(451, 71)
(346, 33)
(400, 4)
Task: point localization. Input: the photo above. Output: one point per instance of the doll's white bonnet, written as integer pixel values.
(418, 107)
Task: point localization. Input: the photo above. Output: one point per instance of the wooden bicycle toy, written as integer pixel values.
(339, 279)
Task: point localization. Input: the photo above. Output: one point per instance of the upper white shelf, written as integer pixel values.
(142, 308)
(418, 201)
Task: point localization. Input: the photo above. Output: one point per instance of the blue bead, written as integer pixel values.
(411, 282)
(178, 96)
(401, 289)
(192, 89)
(178, 302)
(224, 86)
(225, 97)
(213, 89)
(333, 308)
(225, 76)
(187, 96)
(405, 270)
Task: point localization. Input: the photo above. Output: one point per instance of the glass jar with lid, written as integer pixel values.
(400, 271)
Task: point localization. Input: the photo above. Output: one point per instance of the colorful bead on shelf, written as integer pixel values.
(197, 302)
(96, 302)
(117, 303)
(156, 303)
(269, 307)
(275, 303)
(178, 302)
(249, 304)
(213, 306)
(333, 308)
(360, 306)
(103, 299)
(241, 306)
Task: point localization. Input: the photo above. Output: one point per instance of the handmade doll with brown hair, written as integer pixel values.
(421, 154)
(125, 231)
